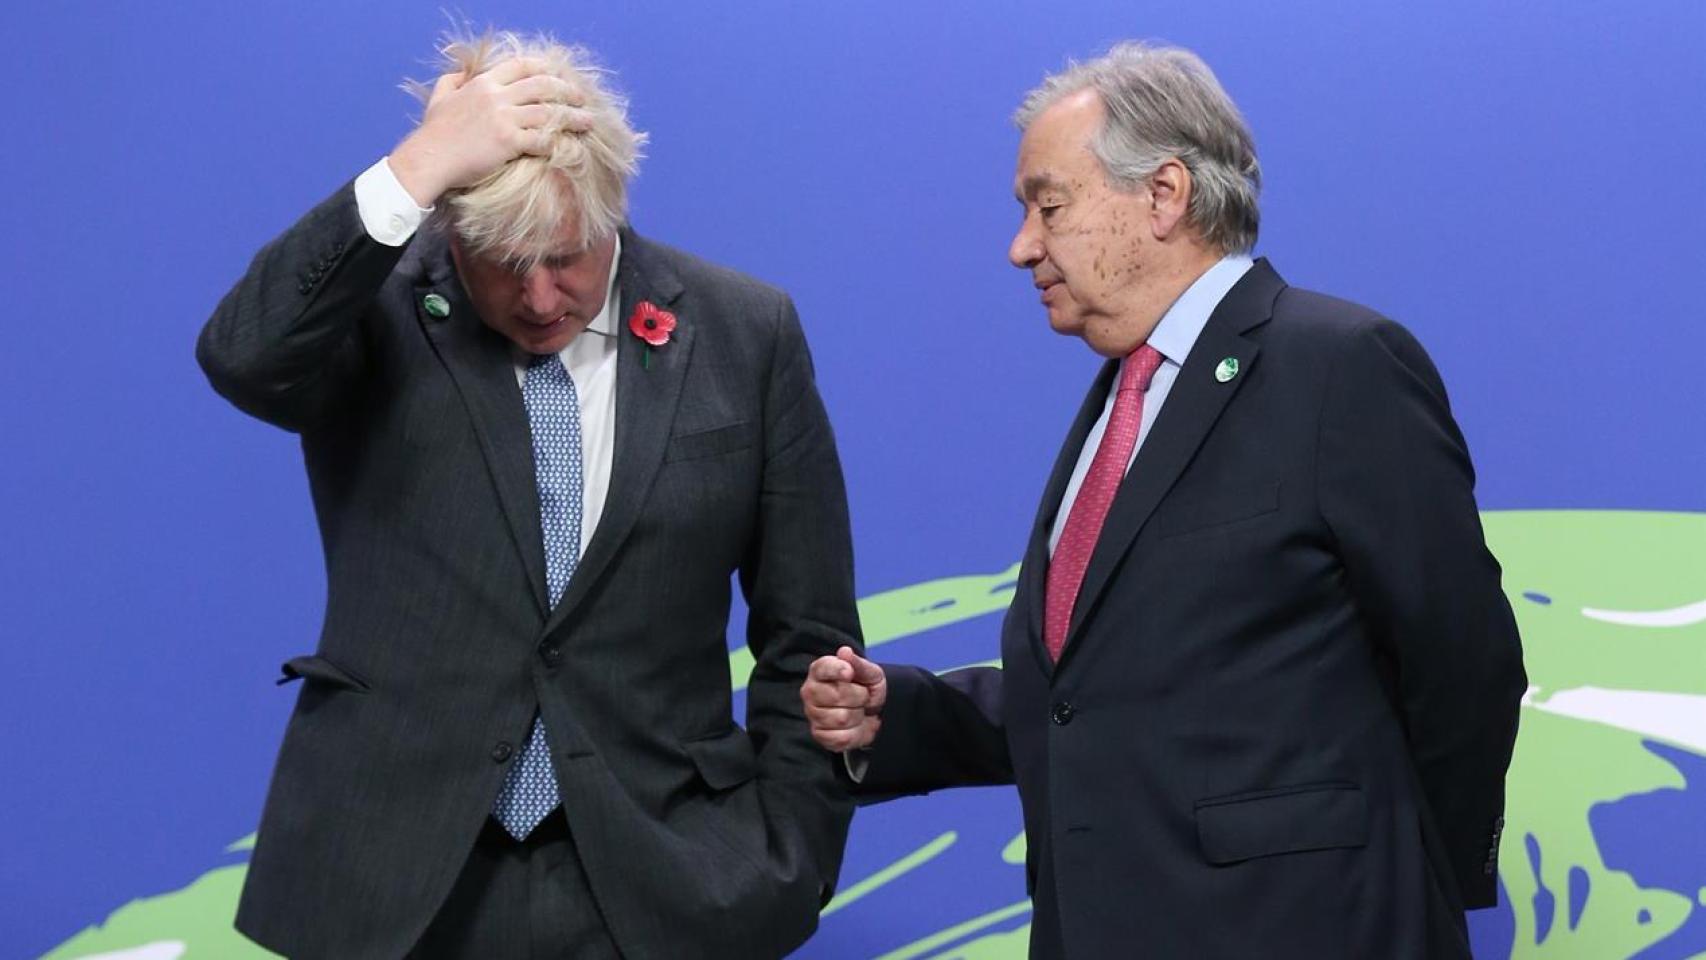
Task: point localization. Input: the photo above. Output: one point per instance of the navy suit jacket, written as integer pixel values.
(1289, 692)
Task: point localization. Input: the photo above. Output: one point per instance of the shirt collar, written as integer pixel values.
(1182, 324)
(605, 322)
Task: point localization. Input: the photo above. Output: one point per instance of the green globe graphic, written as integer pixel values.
(1604, 850)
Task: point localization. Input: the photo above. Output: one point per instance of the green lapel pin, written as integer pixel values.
(1227, 370)
(436, 305)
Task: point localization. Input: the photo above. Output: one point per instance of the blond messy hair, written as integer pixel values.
(515, 213)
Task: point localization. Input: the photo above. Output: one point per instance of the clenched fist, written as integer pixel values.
(843, 696)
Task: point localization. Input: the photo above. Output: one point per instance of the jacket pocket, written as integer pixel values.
(1205, 512)
(316, 669)
(712, 442)
(1315, 816)
(724, 761)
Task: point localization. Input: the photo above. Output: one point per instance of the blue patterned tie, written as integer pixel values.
(529, 790)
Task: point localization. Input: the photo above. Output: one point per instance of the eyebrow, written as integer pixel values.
(1034, 184)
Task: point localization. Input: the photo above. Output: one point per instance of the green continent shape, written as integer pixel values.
(1563, 766)
(198, 916)
(1607, 560)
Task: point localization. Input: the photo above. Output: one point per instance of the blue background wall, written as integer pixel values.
(1520, 183)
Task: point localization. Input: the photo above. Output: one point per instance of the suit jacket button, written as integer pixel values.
(501, 752)
(1062, 713)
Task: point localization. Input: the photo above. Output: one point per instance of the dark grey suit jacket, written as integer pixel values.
(699, 838)
(1288, 697)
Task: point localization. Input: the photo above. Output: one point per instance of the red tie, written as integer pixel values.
(1084, 523)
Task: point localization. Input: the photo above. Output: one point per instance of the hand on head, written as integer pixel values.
(474, 125)
(843, 697)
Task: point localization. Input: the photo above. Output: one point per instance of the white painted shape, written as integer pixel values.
(1678, 718)
(1686, 615)
(159, 950)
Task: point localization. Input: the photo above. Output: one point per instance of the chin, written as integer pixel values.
(1108, 343)
(1066, 325)
(542, 343)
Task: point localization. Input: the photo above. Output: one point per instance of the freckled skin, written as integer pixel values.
(1114, 259)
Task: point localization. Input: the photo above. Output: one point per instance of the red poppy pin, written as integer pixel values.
(652, 324)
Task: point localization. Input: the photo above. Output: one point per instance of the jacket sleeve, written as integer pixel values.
(285, 344)
(797, 577)
(1397, 491)
(938, 731)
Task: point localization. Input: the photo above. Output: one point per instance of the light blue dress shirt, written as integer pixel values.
(1173, 337)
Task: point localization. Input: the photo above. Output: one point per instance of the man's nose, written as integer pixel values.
(539, 293)
(1026, 251)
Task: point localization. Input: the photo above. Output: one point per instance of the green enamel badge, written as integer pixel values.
(436, 305)
(1227, 370)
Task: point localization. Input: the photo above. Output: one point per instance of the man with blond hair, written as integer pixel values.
(1260, 682)
(539, 447)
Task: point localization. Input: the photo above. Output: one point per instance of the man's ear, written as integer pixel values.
(1169, 198)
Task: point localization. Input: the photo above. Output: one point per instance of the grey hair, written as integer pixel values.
(518, 209)
(1164, 103)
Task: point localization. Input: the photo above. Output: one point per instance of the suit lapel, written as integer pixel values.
(648, 390)
(481, 363)
(1033, 586)
(1193, 405)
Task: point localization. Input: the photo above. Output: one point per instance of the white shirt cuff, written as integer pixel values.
(387, 210)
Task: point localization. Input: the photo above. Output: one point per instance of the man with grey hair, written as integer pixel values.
(1260, 681)
(539, 447)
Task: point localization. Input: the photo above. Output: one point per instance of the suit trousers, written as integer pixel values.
(520, 900)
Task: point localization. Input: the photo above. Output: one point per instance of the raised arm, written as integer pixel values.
(285, 344)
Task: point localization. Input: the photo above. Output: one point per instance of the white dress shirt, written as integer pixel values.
(391, 217)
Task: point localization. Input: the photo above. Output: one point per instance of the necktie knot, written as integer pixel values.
(541, 364)
(1140, 367)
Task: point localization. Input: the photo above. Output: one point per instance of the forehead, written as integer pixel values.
(1055, 150)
